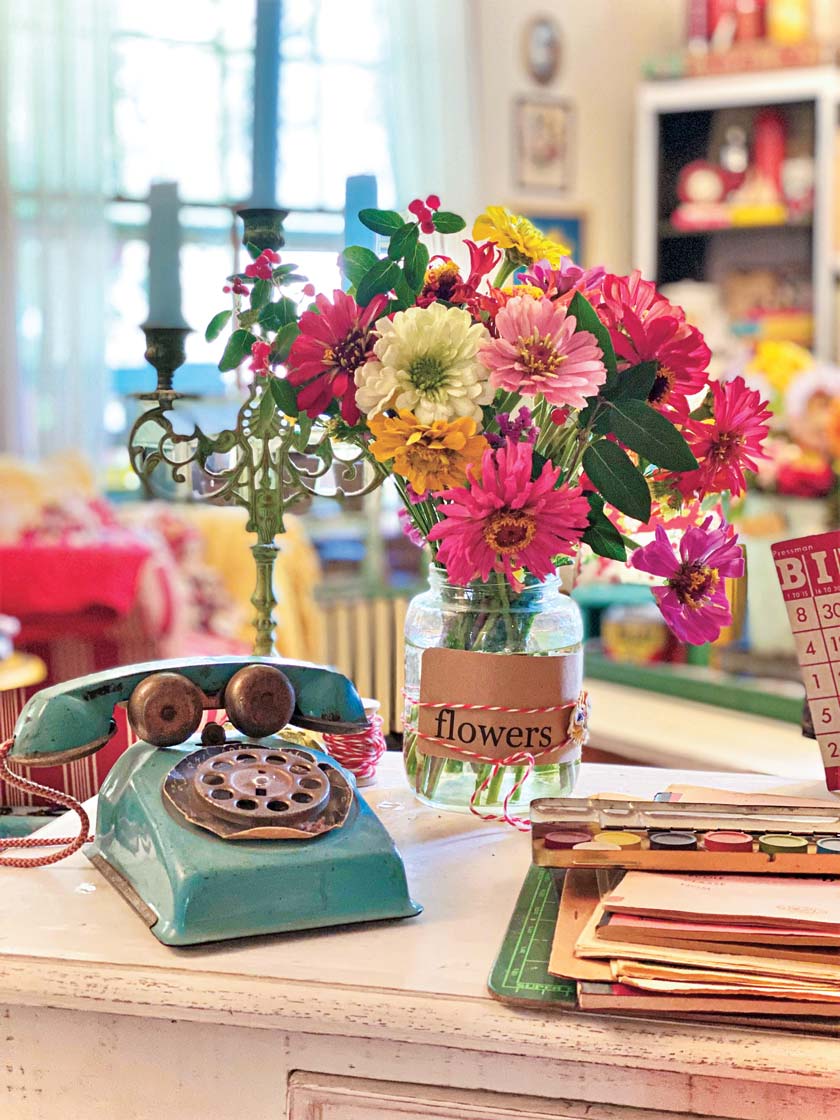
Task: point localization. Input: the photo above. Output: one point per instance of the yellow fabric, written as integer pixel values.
(27, 487)
(296, 574)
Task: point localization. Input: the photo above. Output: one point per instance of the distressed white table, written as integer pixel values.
(98, 1020)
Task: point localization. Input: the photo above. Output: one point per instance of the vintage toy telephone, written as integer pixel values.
(230, 834)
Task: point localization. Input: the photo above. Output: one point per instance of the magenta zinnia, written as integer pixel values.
(539, 351)
(505, 520)
(728, 444)
(333, 342)
(693, 600)
(681, 356)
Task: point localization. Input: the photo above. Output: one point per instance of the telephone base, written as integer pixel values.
(191, 886)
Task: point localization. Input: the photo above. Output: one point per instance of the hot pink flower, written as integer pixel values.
(681, 356)
(727, 445)
(631, 293)
(506, 521)
(260, 352)
(262, 267)
(538, 351)
(333, 342)
(693, 600)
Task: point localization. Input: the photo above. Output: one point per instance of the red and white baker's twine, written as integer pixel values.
(360, 752)
(69, 844)
(578, 734)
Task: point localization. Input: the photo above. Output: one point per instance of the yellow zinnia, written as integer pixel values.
(522, 241)
(430, 456)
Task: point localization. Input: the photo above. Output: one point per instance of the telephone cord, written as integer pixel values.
(69, 844)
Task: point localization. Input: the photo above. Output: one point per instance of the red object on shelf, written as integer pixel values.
(769, 147)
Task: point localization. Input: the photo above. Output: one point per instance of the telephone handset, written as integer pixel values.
(230, 834)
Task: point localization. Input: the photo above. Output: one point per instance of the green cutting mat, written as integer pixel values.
(520, 974)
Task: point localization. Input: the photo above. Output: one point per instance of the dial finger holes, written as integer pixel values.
(221, 794)
(302, 798)
(299, 768)
(278, 758)
(278, 806)
(213, 780)
(309, 783)
(246, 804)
(245, 758)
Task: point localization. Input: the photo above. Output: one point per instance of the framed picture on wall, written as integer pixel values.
(569, 228)
(542, 145)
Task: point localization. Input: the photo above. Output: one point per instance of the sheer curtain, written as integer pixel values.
(431, 98)
(54, 100)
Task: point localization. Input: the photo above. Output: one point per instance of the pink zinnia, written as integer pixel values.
(693, 600)
(333, 342)
(681, 356)
(632, 293)
(506, 521)
(729, 444)
(538, 351)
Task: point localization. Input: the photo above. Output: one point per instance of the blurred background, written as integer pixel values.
(694, 139)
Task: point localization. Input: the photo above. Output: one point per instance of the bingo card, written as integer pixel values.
(809, 575)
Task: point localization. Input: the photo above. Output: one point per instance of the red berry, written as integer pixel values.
(560, 415)
(433, 202)
(427, 227)
(226, 288)
(416, 207)
(309, 289)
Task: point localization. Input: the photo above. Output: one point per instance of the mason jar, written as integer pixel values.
(541, 620)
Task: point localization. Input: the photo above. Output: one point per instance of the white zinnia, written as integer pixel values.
(427, 362)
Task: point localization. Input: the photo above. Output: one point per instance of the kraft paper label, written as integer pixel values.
(455, 676)
(809, 576)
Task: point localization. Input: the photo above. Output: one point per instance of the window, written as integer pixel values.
(182, 79)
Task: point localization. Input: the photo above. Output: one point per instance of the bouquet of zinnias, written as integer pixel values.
(522, 415)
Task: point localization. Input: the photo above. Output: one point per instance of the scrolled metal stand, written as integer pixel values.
(263, 477)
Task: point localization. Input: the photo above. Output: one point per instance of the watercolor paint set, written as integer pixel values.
(684, 836)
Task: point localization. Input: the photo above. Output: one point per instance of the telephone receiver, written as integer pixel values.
(232, 833)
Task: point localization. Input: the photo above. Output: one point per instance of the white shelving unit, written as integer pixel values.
(817, 85)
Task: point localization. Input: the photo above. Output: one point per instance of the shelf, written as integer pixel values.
(668, 232)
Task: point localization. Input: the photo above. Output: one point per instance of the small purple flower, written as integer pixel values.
(558, 281)
(519, 428)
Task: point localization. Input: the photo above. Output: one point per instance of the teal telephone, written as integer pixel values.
(220, 835)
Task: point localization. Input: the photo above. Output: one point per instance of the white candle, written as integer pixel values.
(164, 257)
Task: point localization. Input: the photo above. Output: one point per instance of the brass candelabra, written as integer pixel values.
(265, 463)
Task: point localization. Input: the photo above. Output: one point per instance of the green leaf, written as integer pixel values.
(300, 439)
(284, 272)
(416, 263)
(380, 278)
(238, 348)
(385, 222)
(404, 292)
(446, 222)
(276, 315)
(619, 483)
(216, 325)
(403, 241)
(356, 261)
(260, 294)
(252, 250)
(248, 318)
(601, 535)
(587, 320)
(650, 434)
(283, 340)
(284, 396)
(632, 384)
